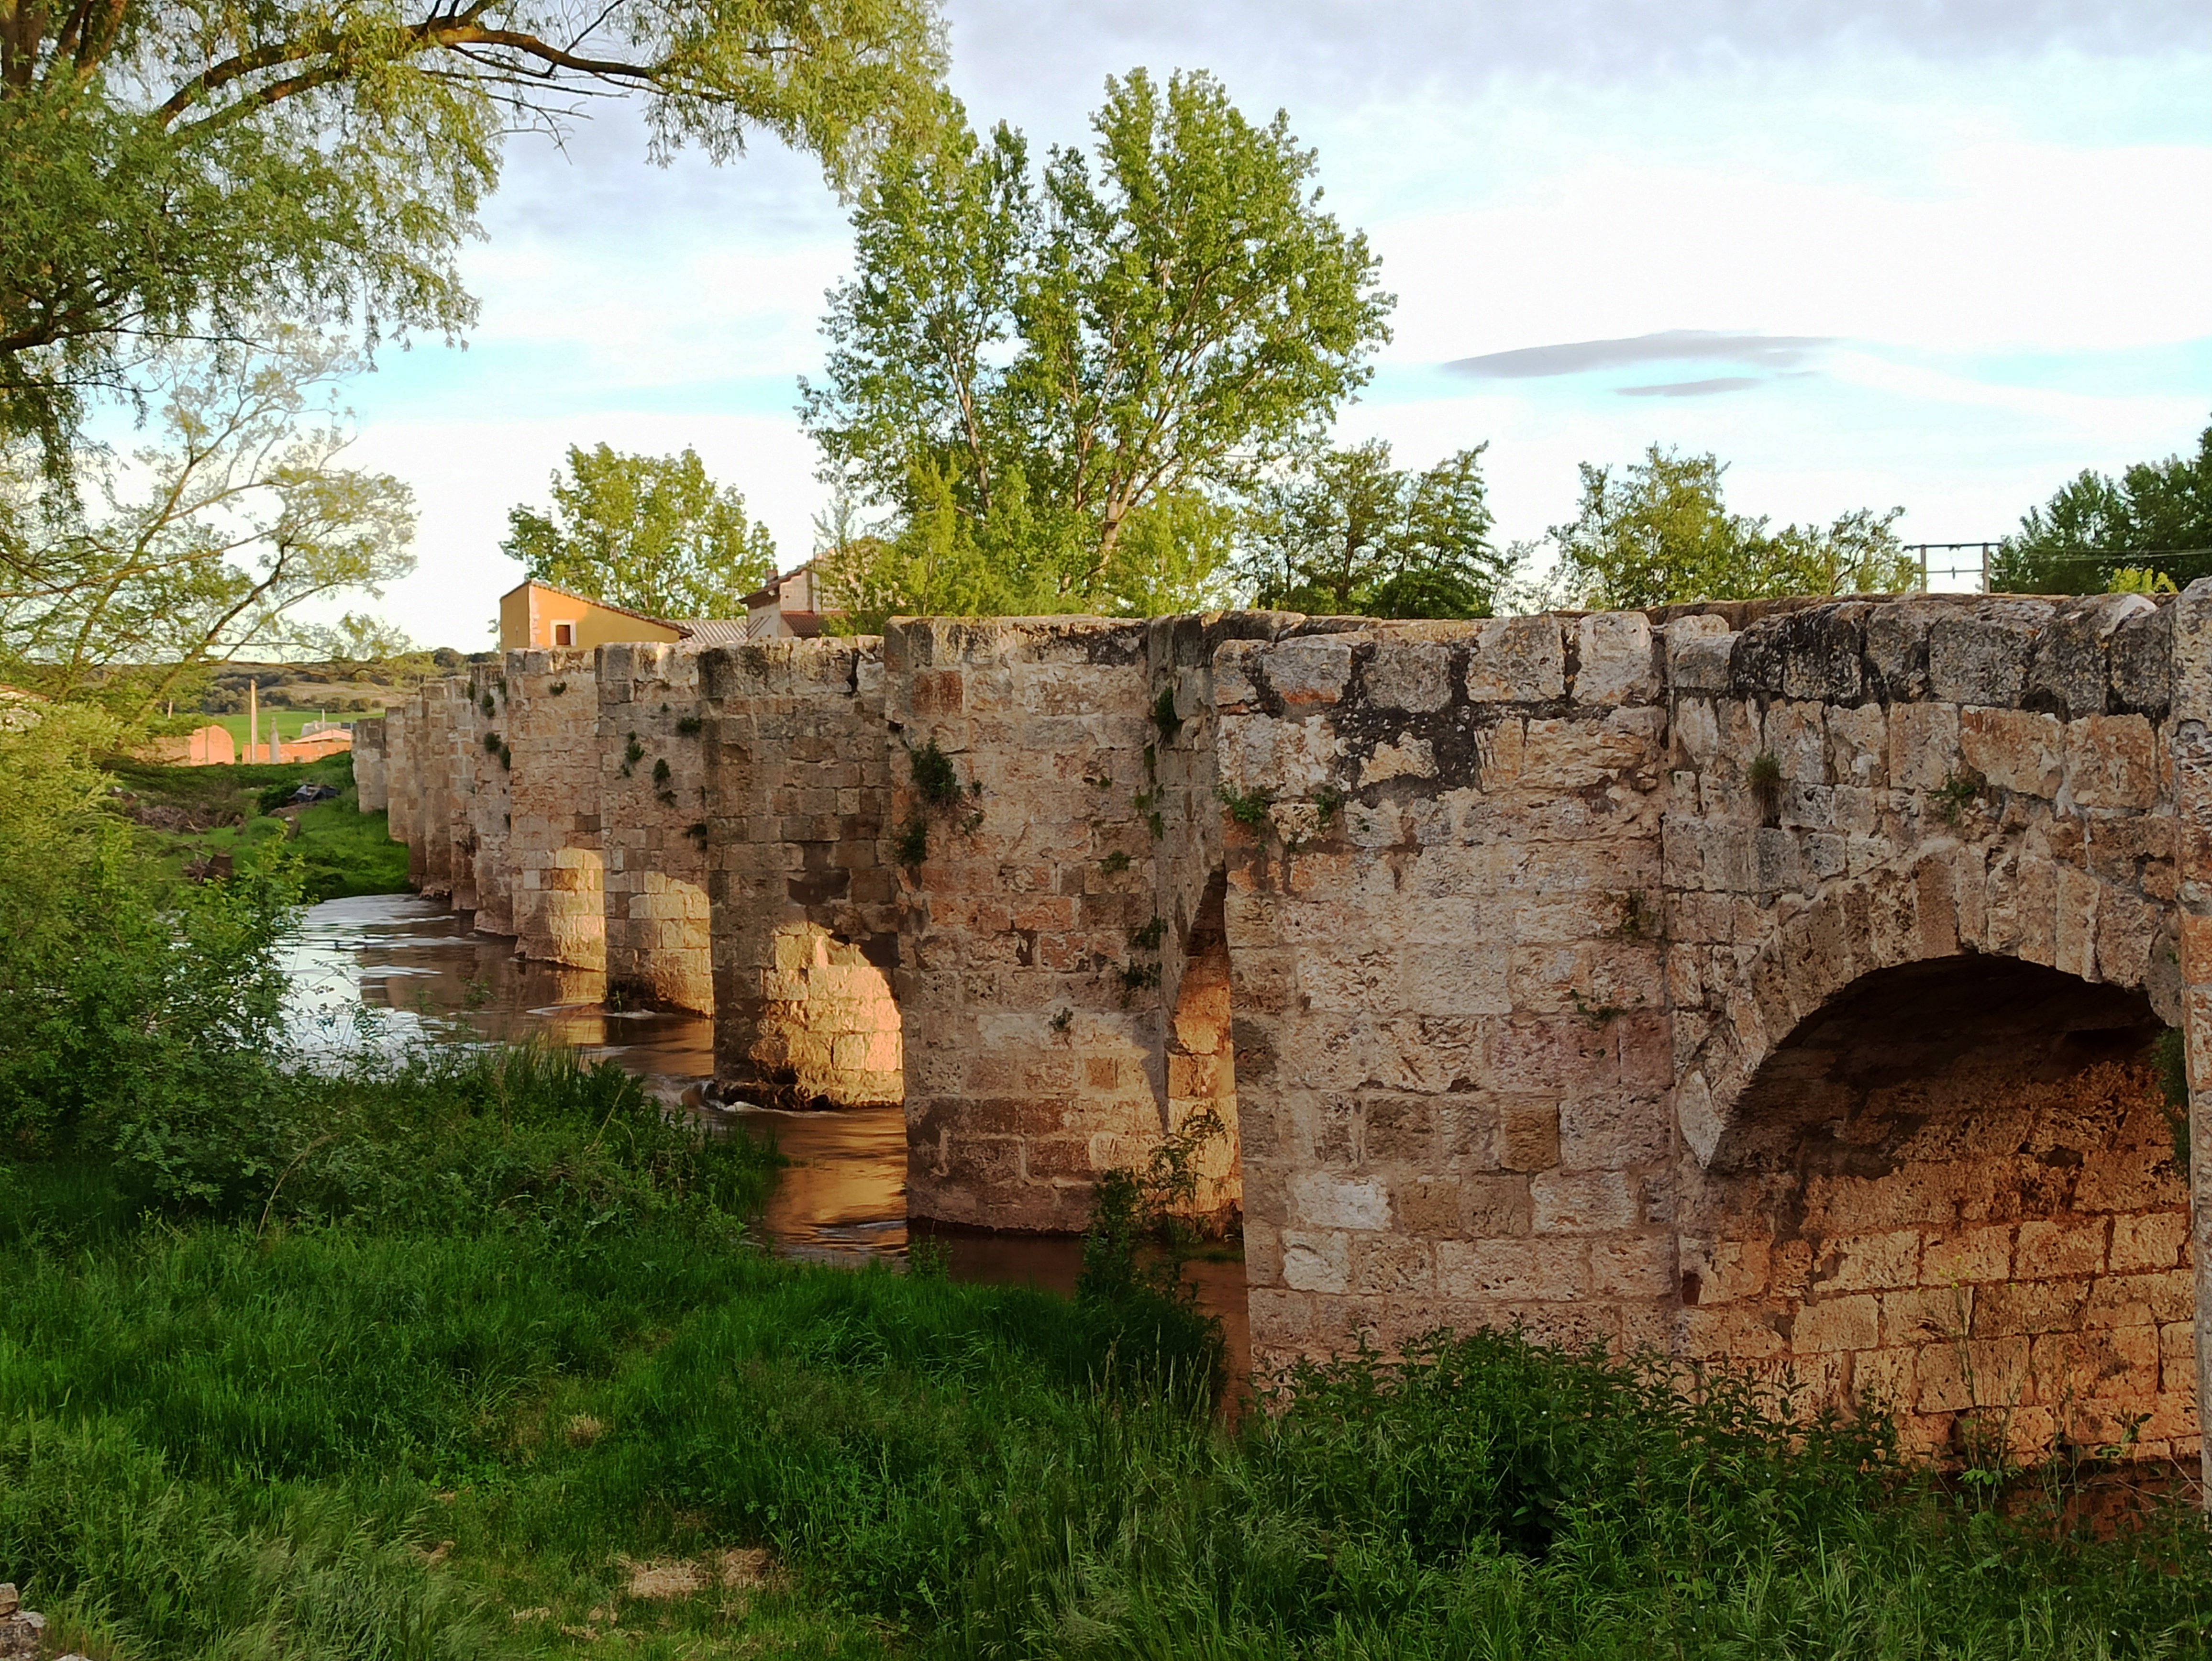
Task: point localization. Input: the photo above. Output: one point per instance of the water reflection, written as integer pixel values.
(419, 973)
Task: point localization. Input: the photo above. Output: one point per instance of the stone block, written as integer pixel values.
(1327, 1200)
(2015, 750)
(1978, 654)
(1923, 745)
(2140, 658)
(1850, 1322)
(1538, 1271)
(1518, 660)
(2150, 1243)
(1309, 672)
(1700, 663)
(1615, 663)
(1410, 675)
(1633, 1267)
(1967, 1256)
(1316, 1261)
(2111, 760)
(1872, 1262)
(1584, 1202)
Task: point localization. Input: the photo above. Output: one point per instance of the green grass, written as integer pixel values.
(344, 851)
(455, 1351)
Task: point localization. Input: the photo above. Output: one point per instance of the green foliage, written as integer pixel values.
(1115, 862)
(910, 846)
(2121, 535)
(1165, 716)
(1956, 795)
(1350, 534)
(1148, 938)
(1249, 809)
(933, 775)
(1328, 801)
(2170, 1057)
(1035, 365)
(1659, 533)
(690, 726)
(129, 1005)
(652, 533)
(206, 549)
(182, 168)
(1762, 776)
(661, 773)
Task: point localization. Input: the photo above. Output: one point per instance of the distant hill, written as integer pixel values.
(340, 688)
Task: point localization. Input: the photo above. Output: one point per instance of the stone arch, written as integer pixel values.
(1954, 1186)
(1945, 900)
(825, 1030)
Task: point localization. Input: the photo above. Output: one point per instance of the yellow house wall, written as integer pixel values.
(527, 614)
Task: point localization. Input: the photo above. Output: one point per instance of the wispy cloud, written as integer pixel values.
(1764, 351)
(1734, 383)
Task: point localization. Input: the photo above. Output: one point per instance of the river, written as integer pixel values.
(416, 973)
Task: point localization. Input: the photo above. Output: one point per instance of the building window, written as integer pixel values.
(564, 634)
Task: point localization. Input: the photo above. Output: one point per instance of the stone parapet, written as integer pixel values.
(653, 794)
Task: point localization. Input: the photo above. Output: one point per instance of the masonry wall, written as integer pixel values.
(1911, 982)
(487, 760)
(1453, 1092)
(403, 728)
(370, 769)
(552, 712)
(804, 903)
(1769, 984)
(1028, 962)
(653, 793)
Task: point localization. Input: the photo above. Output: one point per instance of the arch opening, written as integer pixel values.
(1201, 1064)
(828, 1032)
(1955, 1190)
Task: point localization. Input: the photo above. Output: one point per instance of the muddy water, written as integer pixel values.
(392, 970)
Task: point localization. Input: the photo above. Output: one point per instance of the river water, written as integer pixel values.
(392, 970)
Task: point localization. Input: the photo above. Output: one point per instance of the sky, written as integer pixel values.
(1917, 254)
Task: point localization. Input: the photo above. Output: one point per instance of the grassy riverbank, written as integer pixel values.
(188, 815)
(477, 1359)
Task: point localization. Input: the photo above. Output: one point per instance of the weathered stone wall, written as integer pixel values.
(554, 842)
(1453, 1092)
(1764, 984)
(487, 761)
(1905, 977)
(445, 720)
(402, 730)
(1029, 954)
(653, 795)
(804, 901)
(369, 771)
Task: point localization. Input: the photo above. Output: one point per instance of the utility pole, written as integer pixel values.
(252, 718)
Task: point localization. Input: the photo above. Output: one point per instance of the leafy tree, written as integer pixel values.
(1355, 536)
(1043, 354)
(186, 167)
(653, 533)
(2155, 517)
(211, 544)
(1659, 533)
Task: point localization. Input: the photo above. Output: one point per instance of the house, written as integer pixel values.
(210, 745)
(538, 614)
(788, 608)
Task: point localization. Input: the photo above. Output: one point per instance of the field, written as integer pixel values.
(186, 815)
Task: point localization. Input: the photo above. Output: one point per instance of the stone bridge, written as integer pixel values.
(1775, 983)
